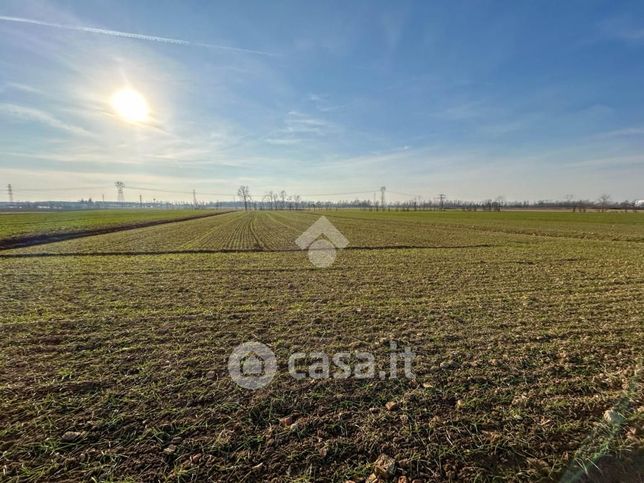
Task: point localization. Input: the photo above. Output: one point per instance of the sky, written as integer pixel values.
(328, 100)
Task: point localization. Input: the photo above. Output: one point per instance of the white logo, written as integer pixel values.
(252, 365)
(322, 250)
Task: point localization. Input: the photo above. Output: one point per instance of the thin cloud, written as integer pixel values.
(131, 35)
(299, 123)
(283, 141)
(629, 131)
(30, 114)
(20, 87)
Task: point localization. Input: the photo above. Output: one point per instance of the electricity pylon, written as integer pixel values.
(120, 197)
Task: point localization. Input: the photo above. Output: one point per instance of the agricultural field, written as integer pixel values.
(24, 228)
(527, 330)
(277, 231)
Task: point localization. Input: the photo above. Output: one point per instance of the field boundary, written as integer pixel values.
(233, 250)
(34, 240)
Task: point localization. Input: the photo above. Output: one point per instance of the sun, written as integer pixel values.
(130, 105)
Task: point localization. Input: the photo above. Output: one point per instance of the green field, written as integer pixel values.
(527, 328)
(21, 227)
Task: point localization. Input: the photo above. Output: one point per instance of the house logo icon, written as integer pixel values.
(252, 365)
(321, 239)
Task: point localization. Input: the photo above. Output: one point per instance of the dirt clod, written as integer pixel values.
(392, 406)
(72, 436)
(447, 364)
(385, 466)
(287, 421)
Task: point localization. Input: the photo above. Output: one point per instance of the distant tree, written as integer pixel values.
(266, 201)
(244, 193)
(603, 202)
(274, 199)
(626, 205)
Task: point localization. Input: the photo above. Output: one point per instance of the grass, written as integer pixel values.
(17, 227)
(538, 315)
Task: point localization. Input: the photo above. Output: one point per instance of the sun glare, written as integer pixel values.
(130, 105)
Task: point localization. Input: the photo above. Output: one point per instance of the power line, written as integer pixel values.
(404, 194)
(176, 191)
(340, 194)
(215, 194)
(157, 190)
(193, 193)
(80, 188)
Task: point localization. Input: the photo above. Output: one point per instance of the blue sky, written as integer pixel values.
(527, 100)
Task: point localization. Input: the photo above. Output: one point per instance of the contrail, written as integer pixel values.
(130, 35)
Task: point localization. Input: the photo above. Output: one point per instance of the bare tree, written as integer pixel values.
(244, 193)
(275, 199)
(266, 201)
(283, 197)
(603, 202)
